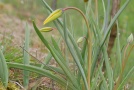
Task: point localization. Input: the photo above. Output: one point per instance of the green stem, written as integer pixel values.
(89, 44)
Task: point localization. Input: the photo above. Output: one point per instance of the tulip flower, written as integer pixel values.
(54, 15)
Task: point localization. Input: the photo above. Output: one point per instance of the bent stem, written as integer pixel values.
(89, 43)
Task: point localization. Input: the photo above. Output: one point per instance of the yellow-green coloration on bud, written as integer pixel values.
(130, 38)
(54, 15)
(47, 29)
(80, 39)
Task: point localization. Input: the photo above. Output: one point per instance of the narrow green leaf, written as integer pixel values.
(106, 17)
(55, 44)
(3, 70)
(43, 72)
(50, 68)
(131, 71)
(26, 57)
(119, 60)
(48, 58)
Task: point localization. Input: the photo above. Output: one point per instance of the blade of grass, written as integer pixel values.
(125, 78)
(119, 59)
(3, 70)
(55, 44)
(26, 57)
(50, 68)
(47, 59)
(43, 72)
(104, 9)
(106, 22)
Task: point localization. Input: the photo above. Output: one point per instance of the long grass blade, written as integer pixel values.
(131, 71)
(55, 44)
(3, 70)
(47, 59)
(43, 72)
(26, 56)
(118, 47)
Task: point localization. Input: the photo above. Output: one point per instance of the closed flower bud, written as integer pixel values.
(80, 39)
(47, 29)
(130, 38)
(54, 15)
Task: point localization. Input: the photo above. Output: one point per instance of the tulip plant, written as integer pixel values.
(87, 73)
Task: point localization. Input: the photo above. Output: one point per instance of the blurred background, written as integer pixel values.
(27, 10)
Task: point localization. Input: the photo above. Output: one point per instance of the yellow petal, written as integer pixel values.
(54, 15)
(46, 29)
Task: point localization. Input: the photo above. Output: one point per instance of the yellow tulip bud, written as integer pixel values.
(54, 15)
(47, 29)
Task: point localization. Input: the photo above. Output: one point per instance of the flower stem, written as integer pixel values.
(89, 43)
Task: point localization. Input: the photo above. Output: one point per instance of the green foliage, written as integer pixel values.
(79, 75)
(26, 59)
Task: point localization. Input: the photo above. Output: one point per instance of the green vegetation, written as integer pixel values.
(70, 64)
